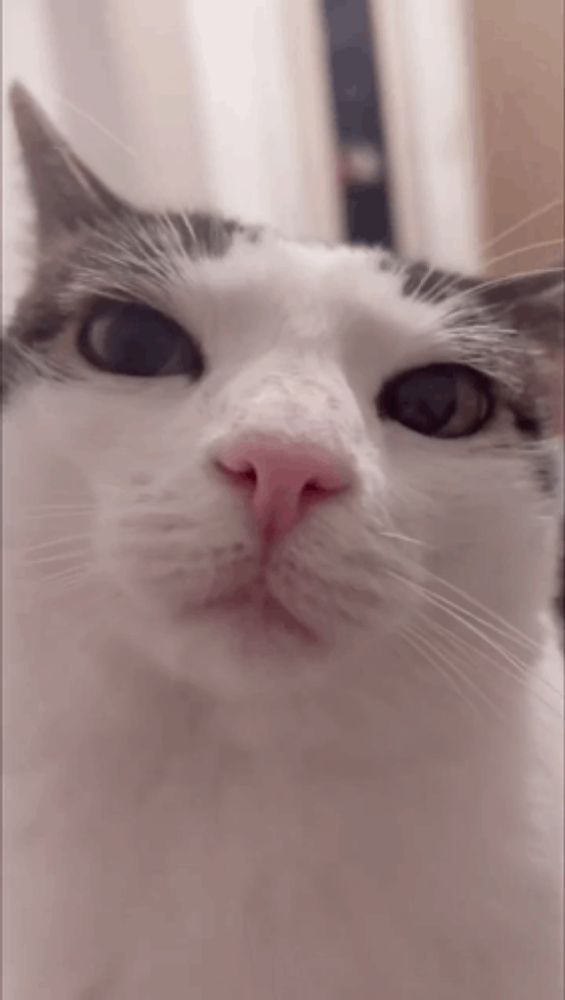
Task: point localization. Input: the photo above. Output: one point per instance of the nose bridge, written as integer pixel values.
(296, 398)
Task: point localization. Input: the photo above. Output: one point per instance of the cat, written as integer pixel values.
(282, 681)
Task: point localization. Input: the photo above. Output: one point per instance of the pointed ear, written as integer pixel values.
(66, 194)
(535, 305)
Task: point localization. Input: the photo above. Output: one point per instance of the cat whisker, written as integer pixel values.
(505, 279)
(523, 249)
(414, 641)
(119, 143)
(501, 627)
(417, 292)
(72, 578)
(523, 679)
(531, 217)
(405, 538)
(56, 511)
(457, 610)
(436, 653)
(447, 283)
(478, 328)
(471, 684)
(52, 589)
(458, 615)
(53, 542)
(511, 630)
(58, 557)
(39, 363)
(52, 517)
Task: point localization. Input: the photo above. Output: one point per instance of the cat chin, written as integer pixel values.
(260, 617)
(239, 647)
(271, 629)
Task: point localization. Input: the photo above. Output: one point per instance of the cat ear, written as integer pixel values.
(534, 304)
(66, 194)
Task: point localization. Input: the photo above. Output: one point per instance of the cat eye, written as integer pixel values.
(441, 400)
(131, 339)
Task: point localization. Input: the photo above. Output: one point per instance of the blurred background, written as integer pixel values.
(433, 126)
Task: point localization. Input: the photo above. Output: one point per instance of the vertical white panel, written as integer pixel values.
(244, 96)
(426, 82)
(309, 81)
(158, 89)
(27, 56)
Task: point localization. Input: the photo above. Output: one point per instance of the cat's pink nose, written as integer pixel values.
(283, 480)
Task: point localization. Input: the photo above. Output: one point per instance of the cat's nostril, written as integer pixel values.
(238, 472)
(284, 480)
(249, 475)
(313, 488)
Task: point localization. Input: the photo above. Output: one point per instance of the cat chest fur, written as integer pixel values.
(177, 855)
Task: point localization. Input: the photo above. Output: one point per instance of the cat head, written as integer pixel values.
(295, 440)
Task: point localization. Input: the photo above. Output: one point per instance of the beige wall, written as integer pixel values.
(519, 72)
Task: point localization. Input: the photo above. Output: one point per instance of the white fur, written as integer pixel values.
(202, 805)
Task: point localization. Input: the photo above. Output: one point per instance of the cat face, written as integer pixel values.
(171, 368)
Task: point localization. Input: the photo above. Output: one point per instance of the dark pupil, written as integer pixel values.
(427, 401)
(138, 342)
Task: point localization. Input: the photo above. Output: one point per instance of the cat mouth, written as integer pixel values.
(256, 607)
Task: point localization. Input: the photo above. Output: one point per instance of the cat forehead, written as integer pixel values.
(168, 263)
(304, 279)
